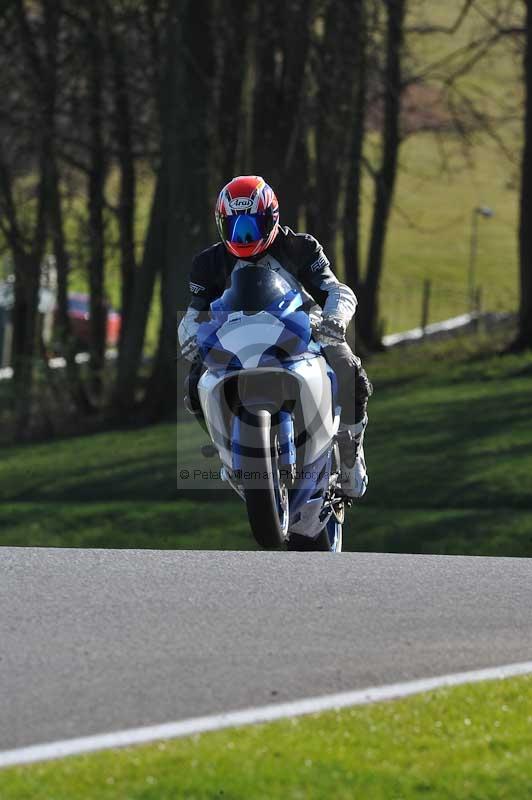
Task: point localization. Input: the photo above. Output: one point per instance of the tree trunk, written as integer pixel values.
(352, 207)
(27, 259)
(186, 161)
(54, 208)
(27, 280)
(123, 126)
(67, 343)
(290, 124)
(27, 273)
(524, 336)
(181, 217)
(368, 314)
(98, 310)
(264, 145)
(232, 44)
(130, 354)
(336, 77)
(277, 97)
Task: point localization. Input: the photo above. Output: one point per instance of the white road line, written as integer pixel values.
(250, 716)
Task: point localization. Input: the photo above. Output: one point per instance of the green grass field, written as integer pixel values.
(467, 743)
(443, 177)
(430, 235)
(449, 449)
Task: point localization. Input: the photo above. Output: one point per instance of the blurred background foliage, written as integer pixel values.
(382, 125)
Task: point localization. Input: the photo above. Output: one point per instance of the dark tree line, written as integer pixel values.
(194, 92)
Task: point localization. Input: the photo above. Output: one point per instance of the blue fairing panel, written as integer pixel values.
(287, 446)
(313, 481)
(294, 340)
(255, 290)
(235, 443)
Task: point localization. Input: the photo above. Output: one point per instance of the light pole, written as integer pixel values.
(479, 211)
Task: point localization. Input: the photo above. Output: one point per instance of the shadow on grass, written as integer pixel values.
(160, 526)
(117, 466)
(472, 531)
(452, 453)
(450, 462)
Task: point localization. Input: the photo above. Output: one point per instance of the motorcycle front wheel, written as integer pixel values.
(265, 495)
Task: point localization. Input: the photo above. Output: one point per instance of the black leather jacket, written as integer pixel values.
(298, 257)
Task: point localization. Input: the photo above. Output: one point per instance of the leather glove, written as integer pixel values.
(190, 349)
(331, 332)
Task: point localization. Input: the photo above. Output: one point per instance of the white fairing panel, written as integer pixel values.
(316, 403)
(249, 336)
(210, 389)
(315, 390)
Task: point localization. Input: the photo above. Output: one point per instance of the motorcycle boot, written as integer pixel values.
(354, 475)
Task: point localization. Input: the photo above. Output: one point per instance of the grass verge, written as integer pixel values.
(449, 449)
(466, 743)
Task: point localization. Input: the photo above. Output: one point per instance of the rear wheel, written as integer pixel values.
(302, 544)
(329, 540)
(334, 531)
(265, 494)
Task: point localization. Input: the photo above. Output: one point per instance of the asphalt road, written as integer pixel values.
(99, 640)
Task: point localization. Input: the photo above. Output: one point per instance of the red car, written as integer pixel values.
(79, 315)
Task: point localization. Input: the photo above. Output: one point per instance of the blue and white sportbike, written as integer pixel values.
(270, 404)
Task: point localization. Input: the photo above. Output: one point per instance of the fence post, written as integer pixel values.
(478, 307)
(478, 300)
(425, 305)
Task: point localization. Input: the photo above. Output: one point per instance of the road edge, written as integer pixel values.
(251, 716)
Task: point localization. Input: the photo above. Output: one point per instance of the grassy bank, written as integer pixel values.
(468, 743)
(113, 489)
(449, 448)
(444, 176)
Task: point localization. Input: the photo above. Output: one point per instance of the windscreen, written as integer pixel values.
(254, 289)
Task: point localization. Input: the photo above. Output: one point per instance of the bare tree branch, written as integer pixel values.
(430, 29)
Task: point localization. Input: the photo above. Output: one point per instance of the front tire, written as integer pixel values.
(266, 499)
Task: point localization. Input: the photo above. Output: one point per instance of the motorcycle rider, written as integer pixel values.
(247, 217)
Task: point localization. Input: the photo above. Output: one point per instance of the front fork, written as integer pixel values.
(286, 445)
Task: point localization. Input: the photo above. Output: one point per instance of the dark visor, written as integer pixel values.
(246, 228)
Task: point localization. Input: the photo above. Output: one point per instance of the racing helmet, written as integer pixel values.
(247, 216)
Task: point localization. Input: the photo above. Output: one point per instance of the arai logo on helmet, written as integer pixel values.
(240, 203)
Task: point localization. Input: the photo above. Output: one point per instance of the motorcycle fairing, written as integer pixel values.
(259, 352)
(319, 413)
(308, 514)
(241, 340)
(264, 304)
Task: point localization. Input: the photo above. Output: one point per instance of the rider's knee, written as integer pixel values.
(353, 383)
